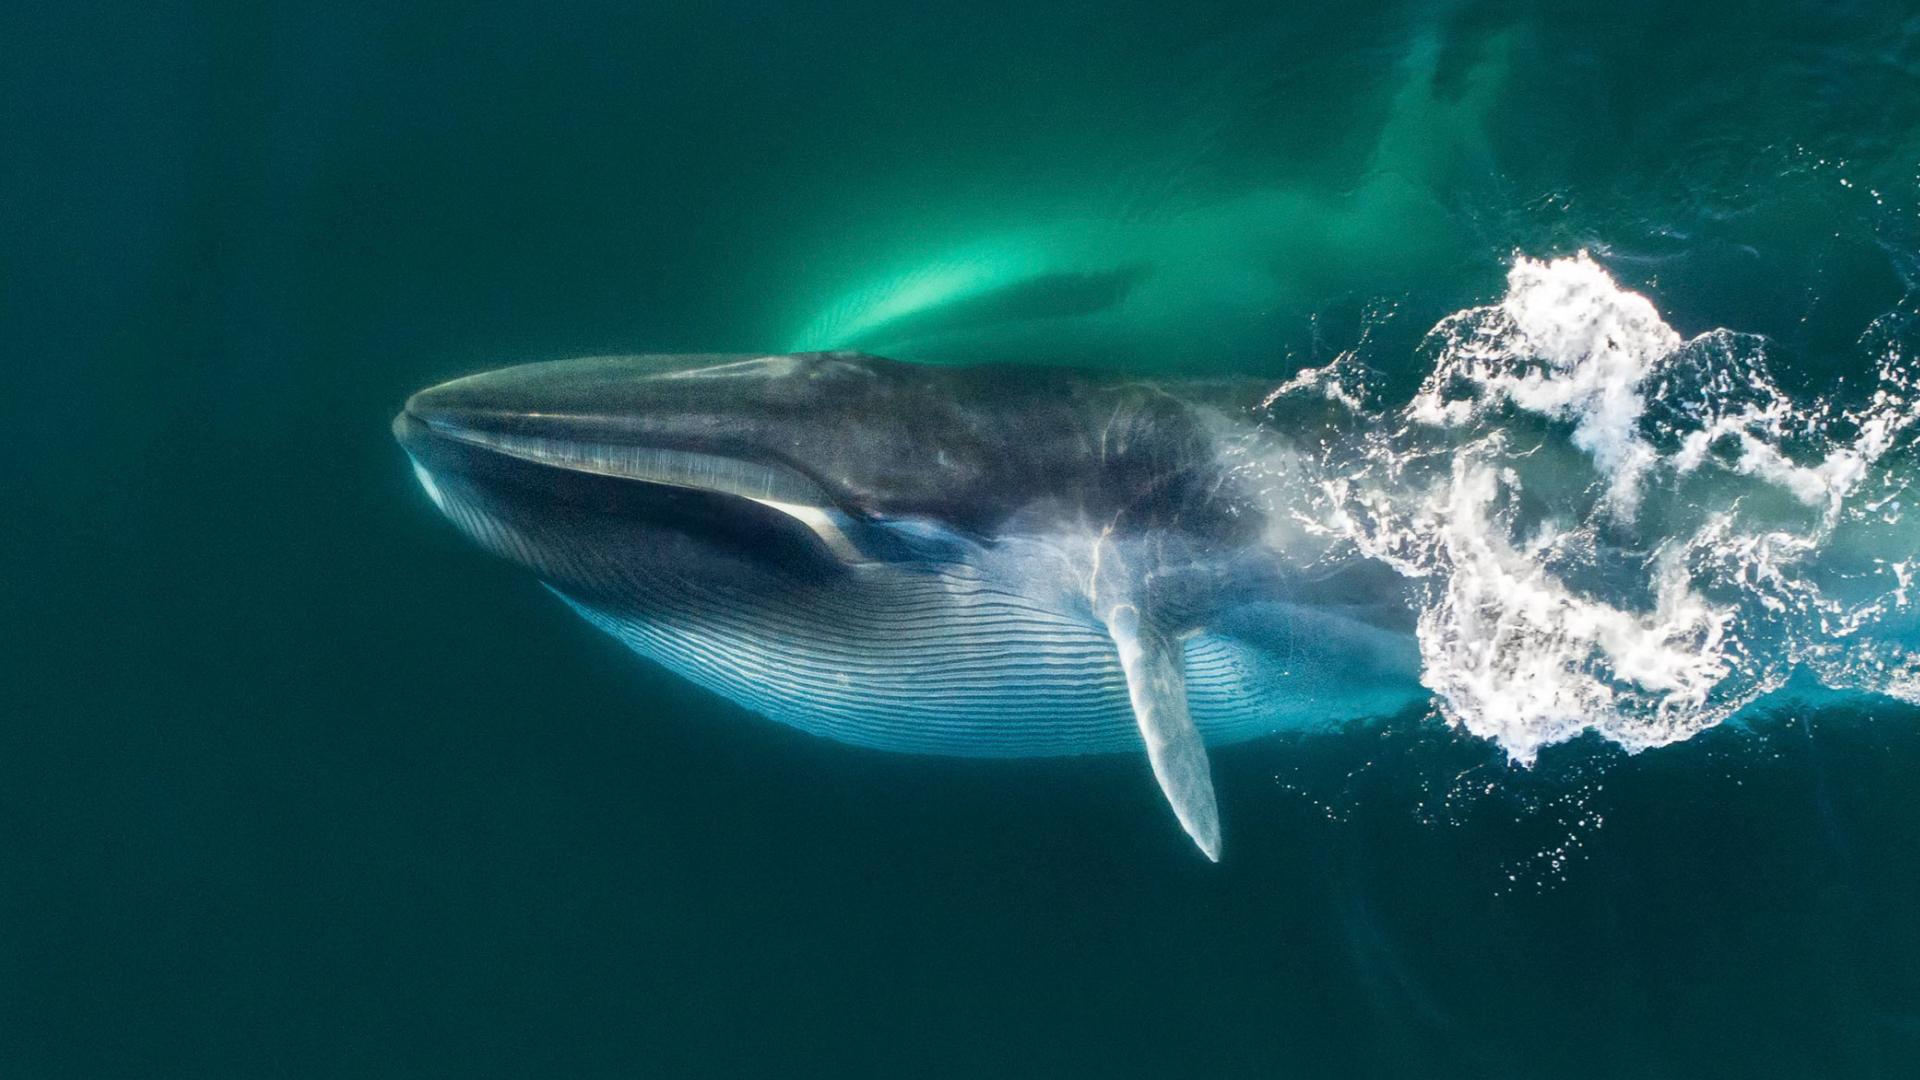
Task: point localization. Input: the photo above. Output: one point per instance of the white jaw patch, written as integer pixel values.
(432, 489)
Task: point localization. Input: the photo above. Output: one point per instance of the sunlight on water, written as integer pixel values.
(1170, 277)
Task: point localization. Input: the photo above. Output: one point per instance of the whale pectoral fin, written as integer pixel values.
(1154, 663)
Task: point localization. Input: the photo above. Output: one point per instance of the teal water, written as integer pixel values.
(294, 782)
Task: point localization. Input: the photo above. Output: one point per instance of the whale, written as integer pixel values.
(987, 561)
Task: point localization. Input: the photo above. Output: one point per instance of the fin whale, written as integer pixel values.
(988, 561)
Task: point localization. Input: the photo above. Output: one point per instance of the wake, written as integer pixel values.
(1606, 526)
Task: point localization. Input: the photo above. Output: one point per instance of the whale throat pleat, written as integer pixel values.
(945, 665)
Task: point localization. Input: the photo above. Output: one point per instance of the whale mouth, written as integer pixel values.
(648, 464)
(519, 415)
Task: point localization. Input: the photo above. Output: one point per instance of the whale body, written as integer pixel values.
(987, 561)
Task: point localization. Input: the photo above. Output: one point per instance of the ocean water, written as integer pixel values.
(1601, 318)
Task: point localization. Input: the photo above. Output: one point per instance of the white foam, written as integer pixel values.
(1566, 343)
(1579, 495)
(1519, 657)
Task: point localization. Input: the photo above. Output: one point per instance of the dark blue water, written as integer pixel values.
(295, 782)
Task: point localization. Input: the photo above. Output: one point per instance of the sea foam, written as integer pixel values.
(1609, 527)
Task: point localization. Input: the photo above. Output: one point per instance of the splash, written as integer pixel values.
(1610, 527)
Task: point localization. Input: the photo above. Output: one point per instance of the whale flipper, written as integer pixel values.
(1157, 683)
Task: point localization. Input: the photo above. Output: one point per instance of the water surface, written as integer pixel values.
(292, 782)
